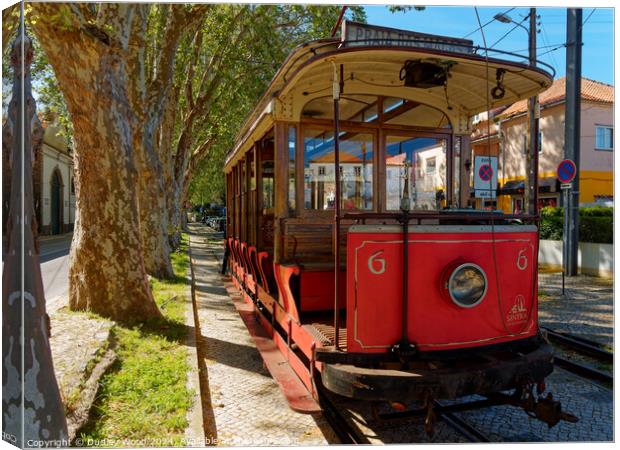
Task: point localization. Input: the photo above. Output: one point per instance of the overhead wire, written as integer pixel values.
(566, 44)
(546, 41)
(517, 24)
(494, 244)
(489, 22)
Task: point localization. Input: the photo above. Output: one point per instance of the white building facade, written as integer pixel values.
(56, 193)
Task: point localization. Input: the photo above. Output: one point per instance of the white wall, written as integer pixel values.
(52, 158)
(593, 259)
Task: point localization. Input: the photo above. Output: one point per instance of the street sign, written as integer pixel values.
(485, 176)
(566, 171)
(566, 186)
(485, 172)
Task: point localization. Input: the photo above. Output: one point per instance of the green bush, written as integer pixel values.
(595, 224)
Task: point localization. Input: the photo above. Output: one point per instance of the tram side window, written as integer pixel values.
(418, 163)
(267, 195)
(356, 170)
(292, 146)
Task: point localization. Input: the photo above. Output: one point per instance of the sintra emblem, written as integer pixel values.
(374, 261)
(518, 311)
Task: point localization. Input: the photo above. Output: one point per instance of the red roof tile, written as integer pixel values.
(591, 90)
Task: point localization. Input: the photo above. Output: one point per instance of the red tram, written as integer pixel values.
(349, 228)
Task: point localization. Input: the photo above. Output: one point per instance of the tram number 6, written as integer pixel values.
(522, 260)
(371, 263)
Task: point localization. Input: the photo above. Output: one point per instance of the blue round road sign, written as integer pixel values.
(485, 172)
(566, 171)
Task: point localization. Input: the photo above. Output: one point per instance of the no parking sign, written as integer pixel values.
(485, 176)
(566, 171)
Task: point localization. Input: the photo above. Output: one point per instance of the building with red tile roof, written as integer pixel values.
(506, 136)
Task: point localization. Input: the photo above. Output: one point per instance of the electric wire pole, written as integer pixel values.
(531, 161)
(572, 136)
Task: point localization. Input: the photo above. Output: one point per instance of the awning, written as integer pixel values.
(514, 187)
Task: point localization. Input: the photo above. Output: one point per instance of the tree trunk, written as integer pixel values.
(167, 157)
(176, 213)
(153, 211)
(107, 273)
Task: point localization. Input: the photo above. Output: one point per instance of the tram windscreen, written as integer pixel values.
(418, 164)
(356, 170)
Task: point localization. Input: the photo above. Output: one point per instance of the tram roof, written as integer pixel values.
(372, 66)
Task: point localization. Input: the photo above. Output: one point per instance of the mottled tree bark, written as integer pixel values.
(107, 273)
(149, 99)
(150, 190)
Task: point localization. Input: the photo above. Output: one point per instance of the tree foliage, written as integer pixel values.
(596, 224)
(274, 31)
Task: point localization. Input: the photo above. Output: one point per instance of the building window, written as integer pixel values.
(431, 165)
(411, 168)
(604, 138)
(356, 170)
(540, 141)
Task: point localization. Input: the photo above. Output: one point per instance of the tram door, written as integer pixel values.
(266, 200)
(266, 196)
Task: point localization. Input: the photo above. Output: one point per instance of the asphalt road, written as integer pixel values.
(55, 270)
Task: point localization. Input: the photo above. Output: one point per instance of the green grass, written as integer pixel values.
(143, 400)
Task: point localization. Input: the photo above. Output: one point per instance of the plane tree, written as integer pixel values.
(91, 48)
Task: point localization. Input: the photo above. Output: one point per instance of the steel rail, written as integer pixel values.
(345, 432)
(580, 345)
(582, 370)
(467, 430)
(447, 414)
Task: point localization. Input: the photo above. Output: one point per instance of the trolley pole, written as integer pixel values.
(572, 136)
(531, 191)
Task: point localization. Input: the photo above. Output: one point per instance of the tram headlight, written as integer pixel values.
(467, 285)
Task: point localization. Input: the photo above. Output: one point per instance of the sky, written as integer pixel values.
(459, 21)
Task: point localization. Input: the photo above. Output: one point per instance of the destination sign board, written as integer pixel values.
(360, 34)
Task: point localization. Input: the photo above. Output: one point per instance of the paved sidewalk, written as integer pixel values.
(82, 350)
(586, 308)
(242, 404)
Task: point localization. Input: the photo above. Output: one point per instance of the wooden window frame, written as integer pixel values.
(327, 125)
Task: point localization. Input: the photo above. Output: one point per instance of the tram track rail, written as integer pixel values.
(346, 432)
(584, 347)
(466, 429)
(349, 434)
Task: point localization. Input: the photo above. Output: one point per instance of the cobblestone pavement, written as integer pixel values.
(591, 403)
(242, 404)
(81, 352)
(585, 309)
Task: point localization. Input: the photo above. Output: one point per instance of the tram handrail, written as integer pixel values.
(473, 215)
